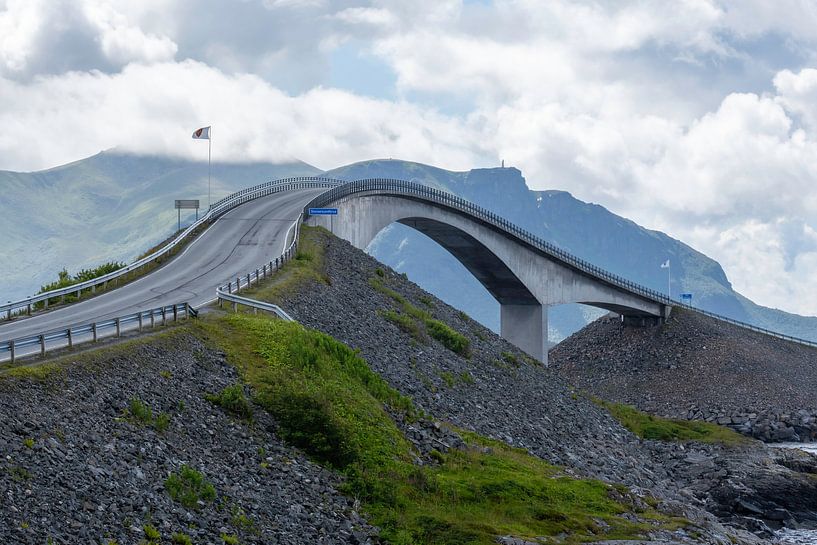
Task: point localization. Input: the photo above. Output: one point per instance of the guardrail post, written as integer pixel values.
(11, 347)
(45, 303)
(175, 313)
(152, 318)
(237, 285)
(164, 316)
(264, 270)
(29, 309)
(248, 280)
(93, 328)
(235, 307)
(70, 338)
(118, 328)
(62, 299)
(276, 264)
(220, 302)
(140, 320)
(42, 345)
(256, 276)
(93, 288)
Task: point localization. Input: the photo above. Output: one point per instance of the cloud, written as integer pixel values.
(698, 118)
(153, 109)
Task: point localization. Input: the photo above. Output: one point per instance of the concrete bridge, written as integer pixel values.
(523, 272)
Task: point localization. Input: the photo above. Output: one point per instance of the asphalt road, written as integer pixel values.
(238, 242)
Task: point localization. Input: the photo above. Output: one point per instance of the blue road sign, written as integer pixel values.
(686, 297)
(323, 211)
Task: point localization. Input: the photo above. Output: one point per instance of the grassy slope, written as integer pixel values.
(648, 426)
(329, 403)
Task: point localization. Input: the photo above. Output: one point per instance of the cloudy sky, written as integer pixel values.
(695, 117)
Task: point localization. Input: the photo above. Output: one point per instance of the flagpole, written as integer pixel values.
(209, 144)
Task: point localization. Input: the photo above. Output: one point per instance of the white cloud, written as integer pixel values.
(153, 108)
(698, 117)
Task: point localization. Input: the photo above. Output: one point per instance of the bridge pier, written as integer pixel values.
(526, 326)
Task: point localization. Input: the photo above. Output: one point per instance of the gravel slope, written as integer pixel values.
(534, 407)
(697, 367)
(74, 470)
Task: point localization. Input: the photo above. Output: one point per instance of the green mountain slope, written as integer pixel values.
(112, 206)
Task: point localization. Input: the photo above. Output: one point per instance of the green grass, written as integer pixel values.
(452, 340)
(648, 426)
(418, 323)
(232, 400)
(90, 359)
(179, 538)
(405, 322)
(329, 403)
(188, 487)
(141, 414)
(308, 265)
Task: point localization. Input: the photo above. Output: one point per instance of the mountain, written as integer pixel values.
(111, 206)
(586, 230)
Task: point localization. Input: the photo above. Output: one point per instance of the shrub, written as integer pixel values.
(162, 422)
(140, 412)
(188, 487)
(151, 533)
(453, 340)
(404, 322)
(232, 400)
(179, 538)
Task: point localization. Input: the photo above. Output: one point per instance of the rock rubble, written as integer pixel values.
(75, 468)
(497, 393)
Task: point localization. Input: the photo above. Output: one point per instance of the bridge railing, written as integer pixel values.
(388, 186)
(93, 332)
(218, 209)
(229, 291)
(437, 196)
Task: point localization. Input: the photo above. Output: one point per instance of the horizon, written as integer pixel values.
(695, 119)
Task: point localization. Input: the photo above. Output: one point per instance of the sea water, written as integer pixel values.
(797, 537)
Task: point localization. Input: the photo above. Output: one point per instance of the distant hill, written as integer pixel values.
(112, 206)
(586, 230)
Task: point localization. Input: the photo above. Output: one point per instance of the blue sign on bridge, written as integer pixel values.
(323, 211)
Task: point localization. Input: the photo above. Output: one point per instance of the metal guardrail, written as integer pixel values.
(218, 209)
(92, 332)
(413, 190)
(226, 293)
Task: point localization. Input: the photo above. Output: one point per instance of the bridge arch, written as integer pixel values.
(523, 273)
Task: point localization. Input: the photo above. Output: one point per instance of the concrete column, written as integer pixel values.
(526, 327)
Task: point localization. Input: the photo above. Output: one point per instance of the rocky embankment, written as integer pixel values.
(88, 451)
(84, 462)
(695, 367)
(498, 393)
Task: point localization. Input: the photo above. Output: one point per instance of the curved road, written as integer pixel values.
(238, 242)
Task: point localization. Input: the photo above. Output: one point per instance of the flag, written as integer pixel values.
(202, 134)
(665, 264)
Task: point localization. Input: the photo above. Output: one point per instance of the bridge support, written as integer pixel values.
(526, 326)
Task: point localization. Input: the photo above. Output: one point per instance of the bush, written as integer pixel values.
(454, 341)
(232, 400)
(65, 279)
(188, 487)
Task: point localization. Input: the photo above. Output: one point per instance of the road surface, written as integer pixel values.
(238, 242)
